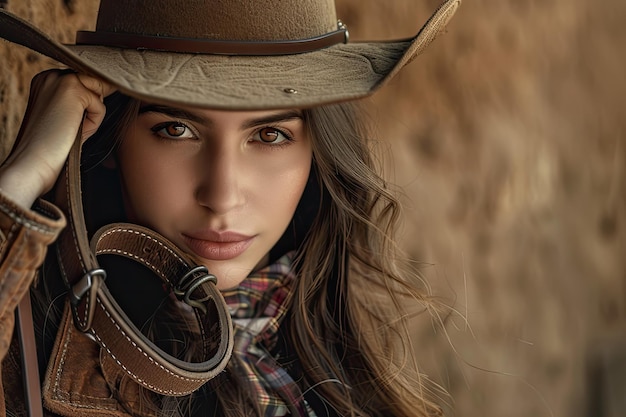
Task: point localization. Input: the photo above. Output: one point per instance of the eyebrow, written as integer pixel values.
(274, 118)
(173, 112)
(179, 113)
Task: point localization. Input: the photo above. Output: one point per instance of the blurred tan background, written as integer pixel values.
(508, 140)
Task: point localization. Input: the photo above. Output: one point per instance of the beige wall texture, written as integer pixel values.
(508, 141)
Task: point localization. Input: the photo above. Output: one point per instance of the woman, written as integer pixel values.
(223, 188)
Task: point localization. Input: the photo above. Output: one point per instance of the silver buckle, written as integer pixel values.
(81, 287)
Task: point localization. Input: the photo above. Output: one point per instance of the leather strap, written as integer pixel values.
(30, 367)
(98, 314)
(210, 46)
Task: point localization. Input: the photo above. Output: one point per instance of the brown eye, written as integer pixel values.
(175, 130)
(269, 135)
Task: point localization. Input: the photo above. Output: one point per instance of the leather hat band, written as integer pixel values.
(210, 46)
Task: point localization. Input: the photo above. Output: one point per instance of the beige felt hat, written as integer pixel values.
(227, 54)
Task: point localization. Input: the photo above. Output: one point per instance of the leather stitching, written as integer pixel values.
(57, 381)
(135, 377)
(26, 223)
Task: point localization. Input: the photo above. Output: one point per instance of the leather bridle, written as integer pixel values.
(98, 315)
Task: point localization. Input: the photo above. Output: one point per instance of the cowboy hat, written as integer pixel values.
(221, 54)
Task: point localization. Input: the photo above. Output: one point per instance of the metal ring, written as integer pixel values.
(189, 283)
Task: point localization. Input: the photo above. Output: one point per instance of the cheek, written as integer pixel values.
(280, 187)
(294, 187)
(152, 184)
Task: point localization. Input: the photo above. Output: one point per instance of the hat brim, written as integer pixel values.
(338, 73)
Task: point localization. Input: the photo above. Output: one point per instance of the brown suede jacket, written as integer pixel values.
(24, 239)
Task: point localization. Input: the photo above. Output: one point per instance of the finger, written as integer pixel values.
(94, 113)
(69, 99)
(97, 85)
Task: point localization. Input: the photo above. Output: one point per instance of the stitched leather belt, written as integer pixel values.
(98, 314)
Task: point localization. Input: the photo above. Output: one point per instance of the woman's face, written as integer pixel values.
(221, 185)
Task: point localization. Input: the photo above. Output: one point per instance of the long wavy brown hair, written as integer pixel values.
(348, 321)
(355, 330)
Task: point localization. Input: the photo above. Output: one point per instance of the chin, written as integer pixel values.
(231, 273)
(229, 279)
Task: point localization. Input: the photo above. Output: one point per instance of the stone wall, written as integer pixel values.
(507, 139)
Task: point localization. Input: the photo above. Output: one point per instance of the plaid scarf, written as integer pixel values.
(257, 307)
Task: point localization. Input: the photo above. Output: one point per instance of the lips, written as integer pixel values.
(217, 246)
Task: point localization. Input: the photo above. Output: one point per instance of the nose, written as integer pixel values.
(219, 180)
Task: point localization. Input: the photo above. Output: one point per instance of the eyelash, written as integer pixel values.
(156, 130)
(288, 137)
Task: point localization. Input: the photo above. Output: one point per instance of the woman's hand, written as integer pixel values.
(59, 102)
